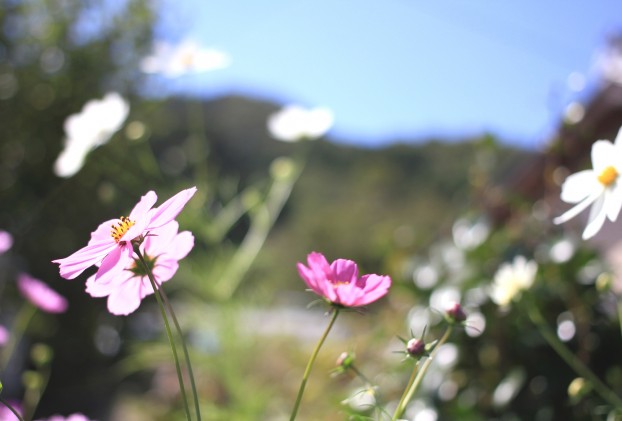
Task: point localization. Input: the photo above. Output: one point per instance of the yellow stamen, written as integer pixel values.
(121, 228)
(608, 176)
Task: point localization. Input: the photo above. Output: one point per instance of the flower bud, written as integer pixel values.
(578, 388)
(345, 360)
(416, 348)
(455, 314)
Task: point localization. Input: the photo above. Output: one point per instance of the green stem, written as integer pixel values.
(32, 396)
(20, 324)
(577, 365)
(186, 354)
(168, 329)
(5, 403)
(305, 376)
(417, 376)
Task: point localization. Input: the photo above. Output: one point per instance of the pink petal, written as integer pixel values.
(164, 270)
(140, 216)
(345, 271)
(101, 289)
(39, 294)
(182, 244)
(72, 266)
(159, 240)
(168, 210)
(115, 263)
(375, 288)
(103, 233)
(126, 298)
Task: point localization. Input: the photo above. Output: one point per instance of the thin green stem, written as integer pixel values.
(619, 313)
(401, 406)
(417, 376)
(20, 324)
(32, 395)
(5, 403)
(195, 396)
(305, 376)
(577, 365)
(361, 375)
(168, 330)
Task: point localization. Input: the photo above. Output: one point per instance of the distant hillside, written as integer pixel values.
(352, 202)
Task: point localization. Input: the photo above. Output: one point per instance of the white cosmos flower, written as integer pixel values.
(511, 279)
(599, 187)
(293, 123)
(186, 57)
(90, 128)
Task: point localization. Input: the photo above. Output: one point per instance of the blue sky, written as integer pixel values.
(403, 69)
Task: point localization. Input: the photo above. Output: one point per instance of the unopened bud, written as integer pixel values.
(416, 348)
(455, 314)
(345, 360)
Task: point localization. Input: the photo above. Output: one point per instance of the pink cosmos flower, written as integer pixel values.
(41, 295)
(161, 249)
(6, 241)
(111, 247)
(339, 282)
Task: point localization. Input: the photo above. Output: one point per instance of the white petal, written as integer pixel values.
(578, 186)
(618, 140)
(603, 155)
(597, 218)
(572, 212)
(613, 201)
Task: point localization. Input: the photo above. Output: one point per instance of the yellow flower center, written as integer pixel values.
(121, 228)
(608, 176)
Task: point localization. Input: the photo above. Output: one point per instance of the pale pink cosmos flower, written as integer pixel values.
(340, 283)
(111, 247)
(41, 295)
(6, 241)
(161, 249)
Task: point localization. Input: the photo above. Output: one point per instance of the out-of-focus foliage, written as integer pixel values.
(418, 213)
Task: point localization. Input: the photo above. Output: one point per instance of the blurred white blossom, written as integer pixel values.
(598, 187)
(174, 60)
(293, 123)
(90, 128)
(511, 279)
(468, 234)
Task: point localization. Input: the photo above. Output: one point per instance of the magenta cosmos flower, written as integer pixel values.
(111, 247)
(339, 282)
(161, 249)
(41, 295)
